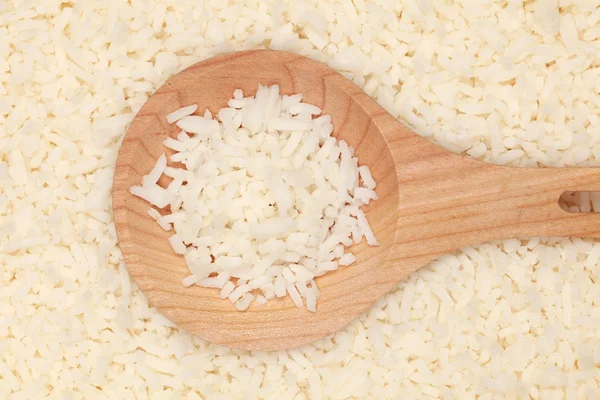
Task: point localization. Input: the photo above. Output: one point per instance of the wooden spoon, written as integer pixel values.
(431, 202)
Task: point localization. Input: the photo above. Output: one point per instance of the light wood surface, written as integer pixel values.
(431, 202)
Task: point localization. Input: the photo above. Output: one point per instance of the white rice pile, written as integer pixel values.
(508, 82)
(267, 201)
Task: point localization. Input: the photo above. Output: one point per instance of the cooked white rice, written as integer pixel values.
(72, 75)
(280, 208)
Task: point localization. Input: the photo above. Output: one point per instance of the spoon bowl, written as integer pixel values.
(431, 202)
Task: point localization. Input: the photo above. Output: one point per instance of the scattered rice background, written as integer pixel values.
(511, 83)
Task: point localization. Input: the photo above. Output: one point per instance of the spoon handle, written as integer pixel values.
(447, 201)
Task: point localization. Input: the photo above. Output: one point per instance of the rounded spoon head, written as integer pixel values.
(345, 293)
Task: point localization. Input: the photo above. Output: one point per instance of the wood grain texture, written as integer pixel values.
(431, 202)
